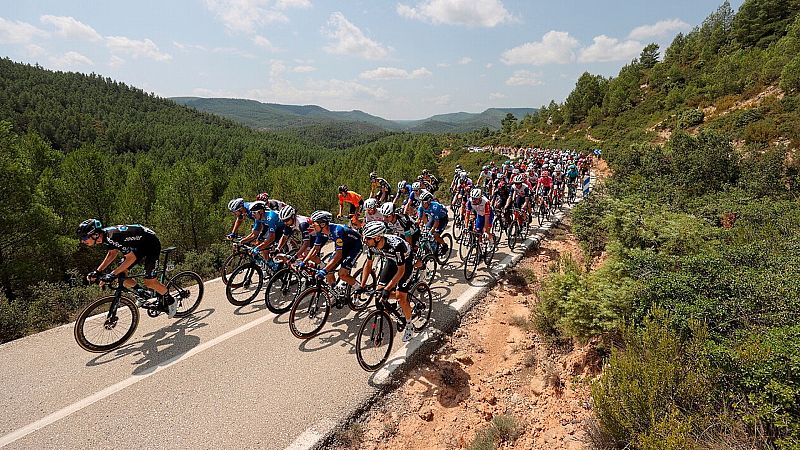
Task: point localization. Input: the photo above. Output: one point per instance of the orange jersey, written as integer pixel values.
(351, 197)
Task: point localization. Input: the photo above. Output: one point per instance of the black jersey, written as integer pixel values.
(132, 238)
(403, 226)
(394, 248)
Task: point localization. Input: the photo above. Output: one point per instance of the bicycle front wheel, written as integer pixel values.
(309, 313)
(361, 301)
(233, 261)
(471, 262)
(512, 235)
(98, 329)
(244, 284)
(444, 255)
(421, 301)
(282, 289)
(374, 340)
(187, 289)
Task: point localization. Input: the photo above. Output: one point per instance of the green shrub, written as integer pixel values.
(13, 322)
(207, 263)
(790, 76)
(53, 304)
(503, 429)
(689, 118)
(762, 132)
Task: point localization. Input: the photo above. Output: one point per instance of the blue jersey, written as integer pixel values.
(435, 211)
(247, 212)
(343, 237)
(271, 224)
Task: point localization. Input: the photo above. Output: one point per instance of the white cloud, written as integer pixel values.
(219, 50)
(605, 49)
(485, 13)
(18, 32)
(524, 78)
(246, 15)
(34, 51)
(556, 47)
(497, 96)
(442, 65)
(70, 60)
(263, 42)
(658, 29)
(136, 49)
(349, 40)
(442, 100)
(316, 92)
(465, 60)
(276, 68)
(69, 27)
(489, 65)
(115, 62)
(394, 73)
(303, 69)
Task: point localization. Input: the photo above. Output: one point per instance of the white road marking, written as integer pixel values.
(309, 438)
(133, 379)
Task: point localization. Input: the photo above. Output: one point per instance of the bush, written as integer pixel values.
(13, 322)
(53, 304)
(690, 118)
(503, 429)
(790, 76)
(762, 132)
(656, 391)
(208, 263)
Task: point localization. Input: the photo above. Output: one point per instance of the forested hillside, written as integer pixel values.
(696, 300)
(77, 146)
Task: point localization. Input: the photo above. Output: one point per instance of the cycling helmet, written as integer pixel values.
(416, 186)
(401, 185)
(373, 229)
(425, 196)
(458, 166)
(235, 204)
(322, 217)
(386, 209)
(373, 175)
(343, 188)
(424, 171)
(286, 213)
(262, 197)
(515, 171)
(88, 226)
(370, 203)
(258, 206)
(518, 179)
(545, 173)
(475, 193)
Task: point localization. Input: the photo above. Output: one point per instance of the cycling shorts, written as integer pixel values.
(390, 270)
(480, 221)
(544, 191)
(349, 256)
(150, 260)
(519, 202)
(442, 224)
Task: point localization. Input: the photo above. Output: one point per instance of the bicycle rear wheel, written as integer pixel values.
(187, 289)
(233, 261)
(441, 255)
(427, 272)
(421, 301)
(488, 252)
(282, 289)
(497, 230)
(374, 340)
(512, 234)
(361, 302)
(471, 261)
(309, 313)
(98, 331)
(244, 284)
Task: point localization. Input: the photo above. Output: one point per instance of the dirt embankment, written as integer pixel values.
(495, 369)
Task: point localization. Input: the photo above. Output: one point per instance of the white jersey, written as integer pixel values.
(372, 217)
(482, 208)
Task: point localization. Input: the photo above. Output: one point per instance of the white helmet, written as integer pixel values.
(401, 184)
(386, 209)
(475, 193)
(370, 203)
(235, 204)
(425, 196)
(321, 217)
(416, 186)
(286, 213)
(372, 229)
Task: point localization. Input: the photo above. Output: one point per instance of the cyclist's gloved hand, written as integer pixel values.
(359, 291)
(300, 264)
(93, 275)
(321, 273)
(384, 294)
(108, 278)
(231, 236)
(255, 251)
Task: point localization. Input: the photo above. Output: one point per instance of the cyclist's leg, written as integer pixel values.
(348, 262)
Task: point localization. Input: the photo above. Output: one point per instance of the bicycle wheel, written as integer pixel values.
(421, 301)
(282, 289)
(374, 340)
(471, 261)
(427, 272)
(233, 261)
(497, 230)
(489, 249)
(361, 302)
(98, 331)
(540, 214)
(458, 227)
(187, 289)
(463, 245)
(441, 255)
(512, 235)
(244, 284)
(309, 313)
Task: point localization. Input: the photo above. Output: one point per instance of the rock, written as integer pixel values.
(464, 359)
(425, 413)
(490, 399)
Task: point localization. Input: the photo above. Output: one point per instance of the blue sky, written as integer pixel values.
(405, 59)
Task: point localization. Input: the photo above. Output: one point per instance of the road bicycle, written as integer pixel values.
(518, 228)
(376, 334)
(310, 311)
(246, 281)
(480, 248)
(572, 187)
(110, 321)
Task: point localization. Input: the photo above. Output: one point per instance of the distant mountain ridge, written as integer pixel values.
(274, 116)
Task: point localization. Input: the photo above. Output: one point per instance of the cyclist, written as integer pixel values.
(501, 198)
(353, 199)
(400, 224)
(430, 180)
(371, 213)
(241, 209)
(403, 188)
(572, 176)
(294, 222)
(379, 188)
(347, 248)
(543, 186)
(396, 271)
(267, 229)
(436, 215)
(520, 197)
(480, 208)
(138, 244)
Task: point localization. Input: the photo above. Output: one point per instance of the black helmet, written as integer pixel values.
(373, 175)
(88, 226)
(343, 188)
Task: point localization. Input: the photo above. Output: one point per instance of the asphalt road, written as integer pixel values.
(225, 377)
